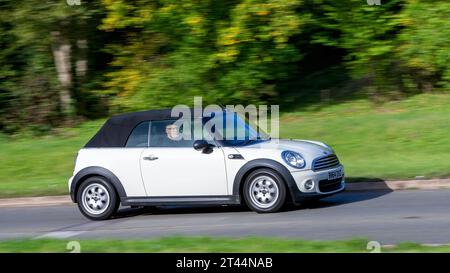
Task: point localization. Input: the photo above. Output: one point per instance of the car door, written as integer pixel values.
(174, 168)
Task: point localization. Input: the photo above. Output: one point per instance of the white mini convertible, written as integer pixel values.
(137, 159)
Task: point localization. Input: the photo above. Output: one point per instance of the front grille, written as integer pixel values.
(325, 162)
(330, 185)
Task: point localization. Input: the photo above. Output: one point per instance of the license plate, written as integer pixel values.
(334, 174)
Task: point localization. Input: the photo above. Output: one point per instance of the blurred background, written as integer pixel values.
(370, 80)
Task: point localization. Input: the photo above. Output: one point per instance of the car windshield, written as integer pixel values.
(236, 129)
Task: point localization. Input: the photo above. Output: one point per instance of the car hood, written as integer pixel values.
(297, 145)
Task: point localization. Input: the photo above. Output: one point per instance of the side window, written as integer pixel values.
(164, 133)
(139, 136)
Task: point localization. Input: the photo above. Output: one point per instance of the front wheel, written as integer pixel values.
(264, 191)
(97, 199)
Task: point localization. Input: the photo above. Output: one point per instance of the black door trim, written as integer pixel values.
(180, 200)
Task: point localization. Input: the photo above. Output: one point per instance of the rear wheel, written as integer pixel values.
(97, 199)
(264, 191)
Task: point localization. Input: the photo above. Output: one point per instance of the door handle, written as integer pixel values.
(150, 157)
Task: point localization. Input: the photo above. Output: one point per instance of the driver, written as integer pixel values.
(172, 132)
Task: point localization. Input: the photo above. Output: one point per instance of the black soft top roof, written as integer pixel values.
(115, 131)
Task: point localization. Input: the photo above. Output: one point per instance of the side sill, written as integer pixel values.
(180, 200)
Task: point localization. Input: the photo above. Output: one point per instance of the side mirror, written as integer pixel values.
(202, 145)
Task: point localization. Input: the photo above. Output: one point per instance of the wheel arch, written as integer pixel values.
(85, 173)
(255, 164)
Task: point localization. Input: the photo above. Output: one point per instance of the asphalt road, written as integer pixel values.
(388, 217)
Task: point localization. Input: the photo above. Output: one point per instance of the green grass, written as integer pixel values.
(206, 244)
(399, 140)
(37, 166)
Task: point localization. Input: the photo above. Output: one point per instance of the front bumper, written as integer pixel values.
(300, 193)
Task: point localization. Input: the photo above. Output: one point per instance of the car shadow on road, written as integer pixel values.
(351, 196)
(167, 210)
(332, 201)
(345, 198)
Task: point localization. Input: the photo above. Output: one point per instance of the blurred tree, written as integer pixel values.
(399, 47)
(367, 33)
(425, 44)
(222, 50)
(60, 61)
(9, 67)
(44, 56)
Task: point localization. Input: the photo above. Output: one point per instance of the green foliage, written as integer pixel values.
(29, 84)
(399, 47)
(193, 244)
(367, 34)
(425, 44)
(246, 51)
(157, 53)
(224, 51)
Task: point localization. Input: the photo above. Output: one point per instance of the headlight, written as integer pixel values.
(293, 159)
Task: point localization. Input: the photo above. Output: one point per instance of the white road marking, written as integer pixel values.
(59, 234)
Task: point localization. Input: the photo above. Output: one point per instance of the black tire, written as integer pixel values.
(110, 207)
(258, 175)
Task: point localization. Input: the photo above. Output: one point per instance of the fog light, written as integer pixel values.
(309, 185)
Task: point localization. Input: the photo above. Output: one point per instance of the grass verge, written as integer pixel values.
(206, 244)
